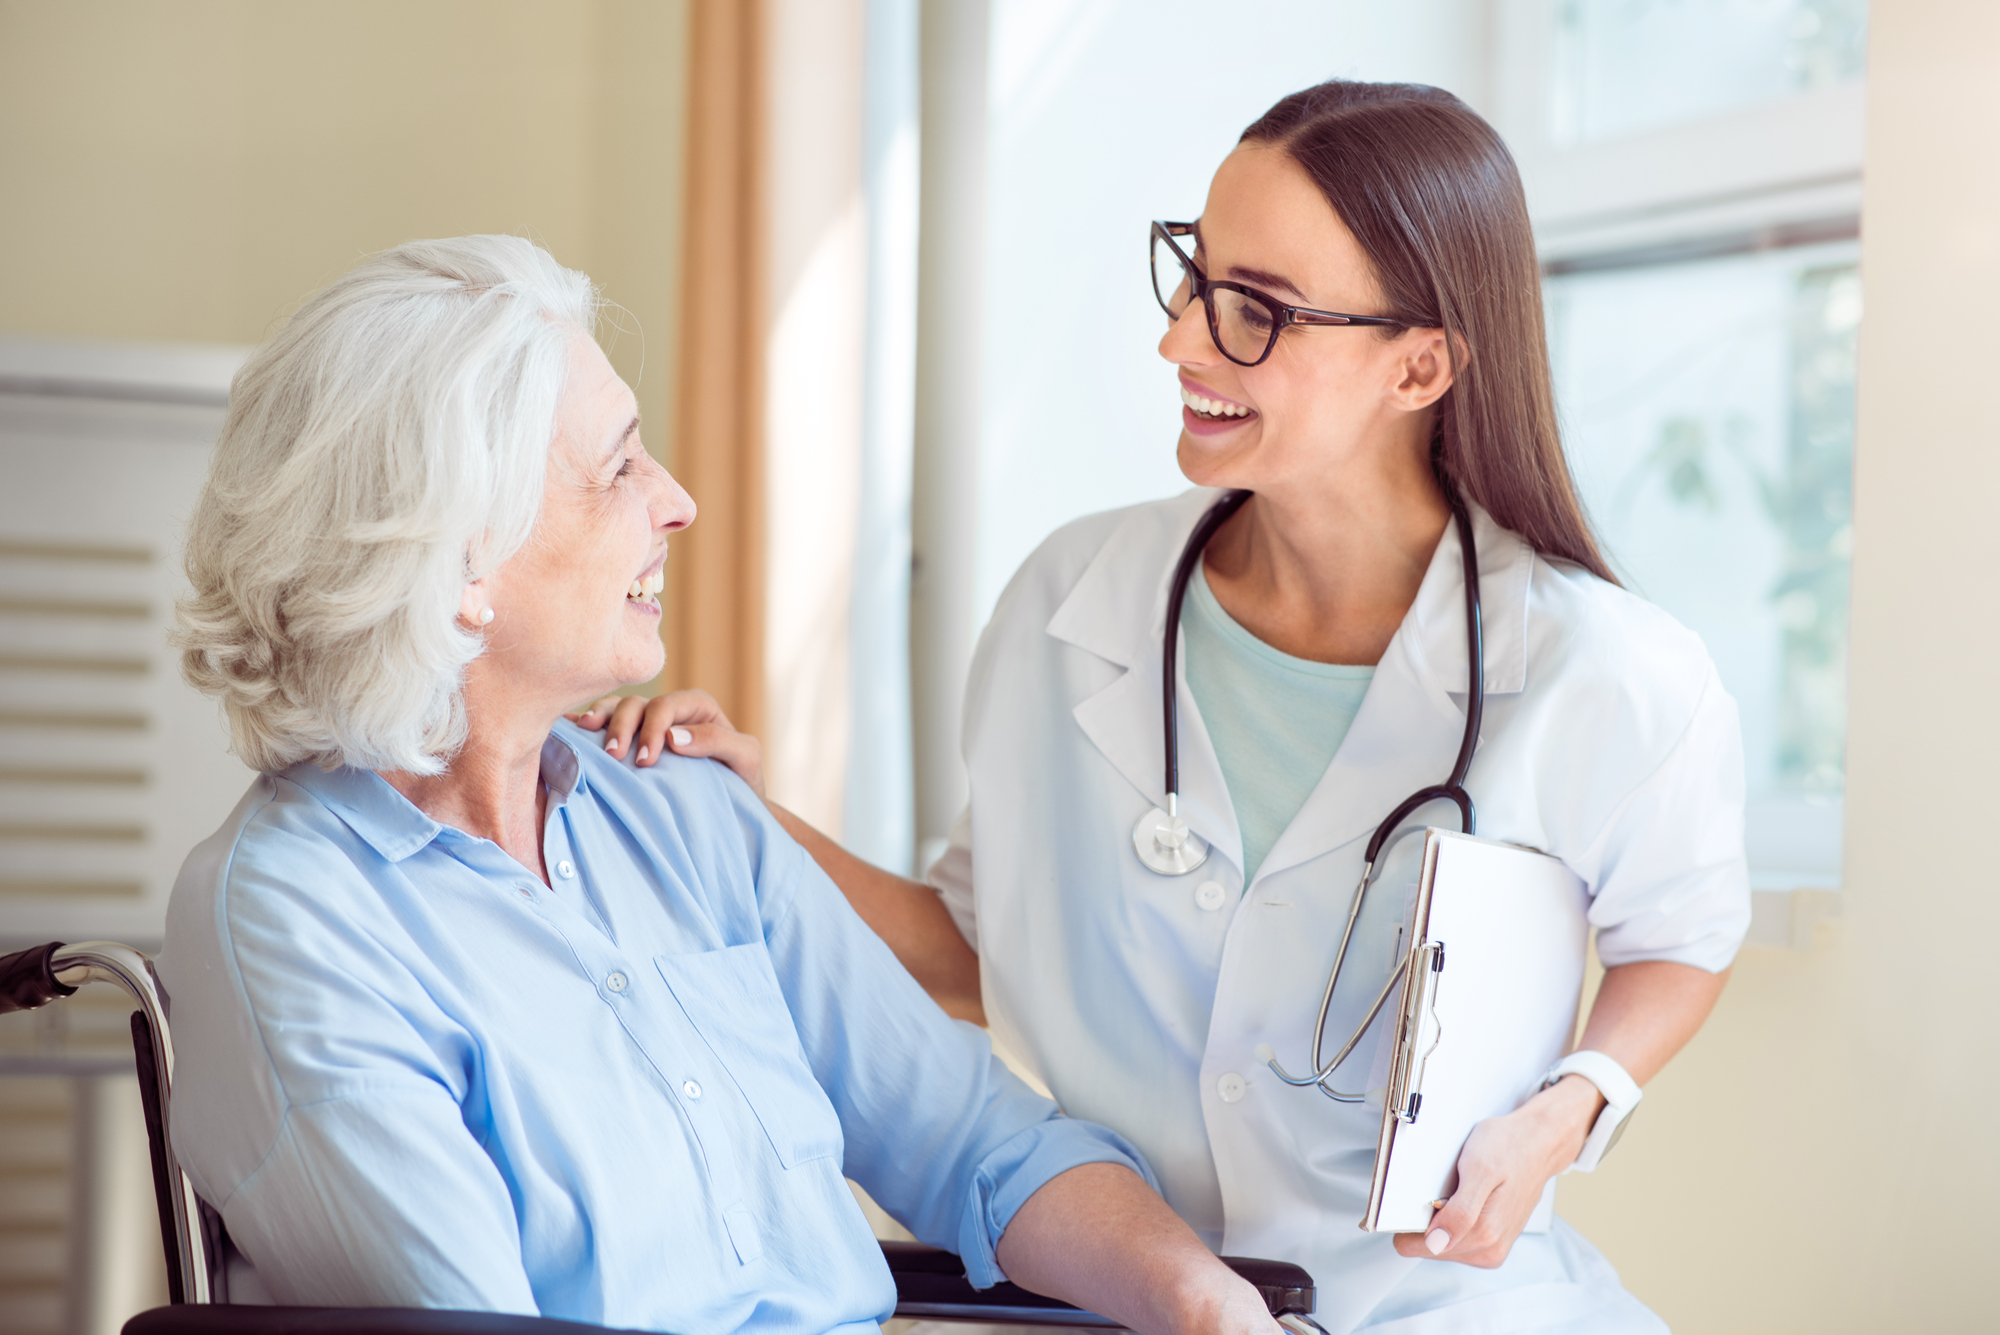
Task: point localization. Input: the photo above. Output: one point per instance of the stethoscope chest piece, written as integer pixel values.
(1166, 844)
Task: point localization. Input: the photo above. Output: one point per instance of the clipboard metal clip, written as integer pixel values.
(1418, 1029)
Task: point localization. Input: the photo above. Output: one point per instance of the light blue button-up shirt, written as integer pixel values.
(411, 1074)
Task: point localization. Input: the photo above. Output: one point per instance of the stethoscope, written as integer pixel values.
(1166, 844)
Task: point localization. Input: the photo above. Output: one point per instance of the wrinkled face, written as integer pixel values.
(1327, 395)
(576, 610)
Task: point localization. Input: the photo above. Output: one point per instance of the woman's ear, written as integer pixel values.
(473, 609)
(1426, 369)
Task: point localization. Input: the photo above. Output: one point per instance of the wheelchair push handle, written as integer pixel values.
(28, 978)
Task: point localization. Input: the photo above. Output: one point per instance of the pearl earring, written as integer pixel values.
(485, 616)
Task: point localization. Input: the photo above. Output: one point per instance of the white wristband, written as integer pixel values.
(1621, 1095)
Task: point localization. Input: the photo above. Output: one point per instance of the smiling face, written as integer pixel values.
(575, 610)
(1329, 398)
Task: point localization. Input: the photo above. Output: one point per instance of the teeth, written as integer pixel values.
(1211, 407)
(635, 591)
(647, 586)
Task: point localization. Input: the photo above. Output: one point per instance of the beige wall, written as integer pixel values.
(188, 171)
(1821, 1157)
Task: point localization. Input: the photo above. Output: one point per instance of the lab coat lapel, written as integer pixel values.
(1118, 611)
(1407, 731)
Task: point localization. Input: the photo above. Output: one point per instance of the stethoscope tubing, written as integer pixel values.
(1452, 789)
(1218, 514)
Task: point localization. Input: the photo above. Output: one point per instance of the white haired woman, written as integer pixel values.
(473, 1015)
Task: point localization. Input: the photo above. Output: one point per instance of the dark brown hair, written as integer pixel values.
(1434, 198)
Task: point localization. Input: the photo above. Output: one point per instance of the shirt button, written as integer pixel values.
(617, 982)
(691, 1089)
(1209, 895)
(1230, 1087)
(565, 869)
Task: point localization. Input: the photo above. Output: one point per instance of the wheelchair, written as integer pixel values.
(930, 1283)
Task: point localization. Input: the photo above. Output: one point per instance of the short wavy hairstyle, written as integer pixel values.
(385, 447)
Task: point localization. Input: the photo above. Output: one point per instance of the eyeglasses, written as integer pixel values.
(1244, 323)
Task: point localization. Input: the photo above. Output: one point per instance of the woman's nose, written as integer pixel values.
(672, 507)
(1186, 342)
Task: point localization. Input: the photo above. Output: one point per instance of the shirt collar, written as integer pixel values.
(562, 770)
(396, 827)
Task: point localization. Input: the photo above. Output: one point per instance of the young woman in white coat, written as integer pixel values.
(1323, 678)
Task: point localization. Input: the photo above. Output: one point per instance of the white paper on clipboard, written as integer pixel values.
(1487, 1005)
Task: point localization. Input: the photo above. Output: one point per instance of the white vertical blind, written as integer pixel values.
(111, 767)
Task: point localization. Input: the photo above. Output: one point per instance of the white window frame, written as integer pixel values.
(1768, 169)
(1773, 175)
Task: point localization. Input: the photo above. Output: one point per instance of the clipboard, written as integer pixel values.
(1488, 1003)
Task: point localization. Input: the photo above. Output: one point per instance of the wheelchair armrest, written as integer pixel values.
(204, 1319)
(28, 978)
(932, 1283)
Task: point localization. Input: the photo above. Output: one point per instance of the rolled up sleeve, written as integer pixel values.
(936, 1130)
(1668, 874)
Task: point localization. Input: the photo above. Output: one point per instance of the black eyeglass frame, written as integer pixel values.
(1282, 316)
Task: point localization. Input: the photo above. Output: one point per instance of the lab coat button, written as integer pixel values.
(1230, 1087)
(565, 869)
(691, 1089)
(1209, 895)
(617, 982)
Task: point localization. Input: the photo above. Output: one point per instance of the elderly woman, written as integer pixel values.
(470, 1013)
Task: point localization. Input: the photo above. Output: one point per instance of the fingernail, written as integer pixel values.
(1437, 1240)
(682, 736)
(645, 751)
(611, 743)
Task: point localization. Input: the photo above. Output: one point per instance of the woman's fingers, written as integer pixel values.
(624, 722)
(1494, 1198)
(663, 713)
(689, 706)
(1458, 1230)
(690, 723)
(593, 718)
(662, 718)
(1465, 1229)
(718, 741)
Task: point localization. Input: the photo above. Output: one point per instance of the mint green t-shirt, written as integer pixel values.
(1275, 720)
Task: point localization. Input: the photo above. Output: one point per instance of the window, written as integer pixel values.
(1694, 169)
(1627, 66)
(1709, 408)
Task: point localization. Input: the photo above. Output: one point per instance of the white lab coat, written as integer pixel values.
(1607, 740)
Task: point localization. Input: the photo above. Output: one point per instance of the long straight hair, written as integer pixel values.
(1435, 200)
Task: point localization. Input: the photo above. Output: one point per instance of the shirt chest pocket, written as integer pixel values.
(732, 998)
